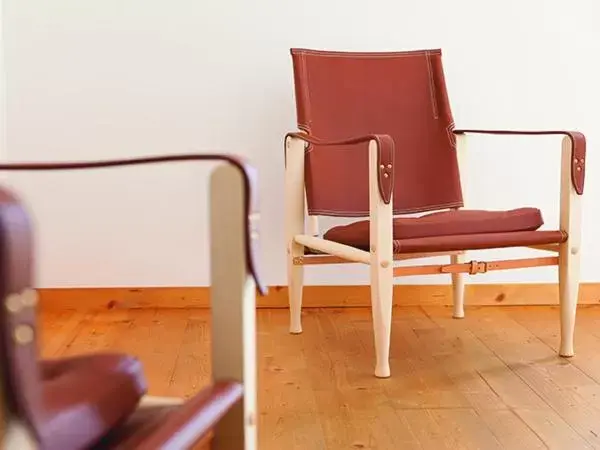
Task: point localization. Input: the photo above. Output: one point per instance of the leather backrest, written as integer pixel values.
(341, 95)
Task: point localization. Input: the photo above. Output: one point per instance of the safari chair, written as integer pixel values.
(100, 401)
(376, 139)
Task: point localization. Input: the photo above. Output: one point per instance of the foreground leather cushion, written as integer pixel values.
(179, 426)
(443, 223)
(85, 396)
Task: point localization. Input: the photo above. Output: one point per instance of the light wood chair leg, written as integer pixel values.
(569, 253)
(458, 279)
(294, 225)
(568, 282)
(382, 291)
(233, 309)
(295, 275)
(382, 268)
(458, 288)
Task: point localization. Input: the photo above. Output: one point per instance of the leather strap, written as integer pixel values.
(385, 157)
(475, 267)
(577, 155)
(248, 172)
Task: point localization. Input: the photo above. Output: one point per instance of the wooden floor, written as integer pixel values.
(490, 381)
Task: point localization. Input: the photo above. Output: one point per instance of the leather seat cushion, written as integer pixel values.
(188, 425)
(443, 223)
(85, 396)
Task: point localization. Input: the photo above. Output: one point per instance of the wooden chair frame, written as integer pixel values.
(233, 307)
(381, 258)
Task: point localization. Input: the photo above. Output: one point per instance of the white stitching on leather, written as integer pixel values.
(337, 213)
(368, 55)
(434, 104)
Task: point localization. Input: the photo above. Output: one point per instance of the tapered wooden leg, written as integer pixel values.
(382, 285)
(294, 225)
(458, 279)
(569, 253)
(382, 268)
(295, 288)
(458, 288)
(568, 281)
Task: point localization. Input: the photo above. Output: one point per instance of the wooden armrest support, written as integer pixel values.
(385, 156)
(248, 172)
(578, 145)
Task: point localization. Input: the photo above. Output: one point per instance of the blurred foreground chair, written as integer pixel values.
(377, 139)
(98, 401)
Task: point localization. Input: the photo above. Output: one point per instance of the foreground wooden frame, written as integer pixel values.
(381, 259)
(233, 305)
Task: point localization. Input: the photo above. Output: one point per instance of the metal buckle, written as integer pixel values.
(477, 267)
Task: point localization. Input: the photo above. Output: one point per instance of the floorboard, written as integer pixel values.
(490, 381)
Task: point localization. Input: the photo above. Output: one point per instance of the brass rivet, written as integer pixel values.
(23, 334)
(29, 298)
(13, 303)
(384, 264)
(382, 167)
(385, 175)
(581, 160)
(578, 168)
(389, 166)
(575, 160)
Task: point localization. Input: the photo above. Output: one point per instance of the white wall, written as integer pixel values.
(117, 78)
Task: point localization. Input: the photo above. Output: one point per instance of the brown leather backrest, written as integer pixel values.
(341, 95)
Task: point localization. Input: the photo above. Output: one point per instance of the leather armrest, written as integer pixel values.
(248, 172)
(577, 156)
(175, 426)
(385, 156)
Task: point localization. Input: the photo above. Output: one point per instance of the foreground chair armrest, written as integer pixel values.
(95, 401)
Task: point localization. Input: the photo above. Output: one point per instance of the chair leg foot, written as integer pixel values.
(383, 371)
(568, 285)
(382, 292)
(567, 328)
(567, 348)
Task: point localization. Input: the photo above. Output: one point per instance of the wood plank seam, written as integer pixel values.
(479, 294)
